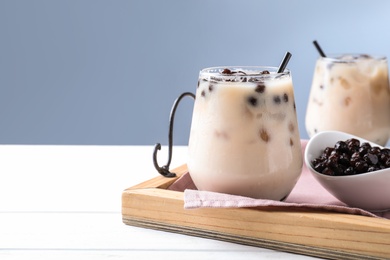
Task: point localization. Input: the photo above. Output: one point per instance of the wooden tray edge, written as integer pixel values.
(160, 181)
(154, 192)
(248, 241)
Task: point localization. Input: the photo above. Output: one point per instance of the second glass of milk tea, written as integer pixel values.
(244, 137)
(350, 93)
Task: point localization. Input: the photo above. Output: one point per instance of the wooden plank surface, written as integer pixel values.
(321, 234)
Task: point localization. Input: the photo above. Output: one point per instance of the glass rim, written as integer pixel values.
(337, 57)
(217, 71)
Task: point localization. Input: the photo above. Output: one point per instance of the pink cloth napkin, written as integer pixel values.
(307, 193)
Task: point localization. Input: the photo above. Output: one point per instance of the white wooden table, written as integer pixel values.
(64, 202)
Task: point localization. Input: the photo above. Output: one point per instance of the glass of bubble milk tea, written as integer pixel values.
(244, 137)
(350, 93)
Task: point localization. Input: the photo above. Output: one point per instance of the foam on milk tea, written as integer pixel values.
(244, 137)
(350, 93)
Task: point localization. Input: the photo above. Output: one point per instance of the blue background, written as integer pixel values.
(107, 72)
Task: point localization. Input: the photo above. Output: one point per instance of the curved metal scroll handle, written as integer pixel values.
(164, 170)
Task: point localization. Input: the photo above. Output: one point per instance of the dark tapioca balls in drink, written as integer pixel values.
(365, 56)
(203, 93)
(277, 99)
(260, 88)
(227, 71)
(264, 135)
(252, 101)
(265, 72)
(211, 87)
(285, 97)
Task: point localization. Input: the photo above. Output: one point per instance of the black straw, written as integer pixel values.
(285, 60)
(319, 49)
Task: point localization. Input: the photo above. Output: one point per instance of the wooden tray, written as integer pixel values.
(315, 233)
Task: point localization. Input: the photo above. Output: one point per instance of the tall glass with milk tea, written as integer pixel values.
(244, 137)
(350, 93)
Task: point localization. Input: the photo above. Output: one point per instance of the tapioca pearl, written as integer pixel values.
(227, 71)
(294, 106)
(260, 88)
(277, 99)
(285, 97)
(347, 101)
(291, 142)
(344, 83)
(203, 93)
(211, 87)
(321, 86)
(264, 135)
(365, 56)
(252, 101)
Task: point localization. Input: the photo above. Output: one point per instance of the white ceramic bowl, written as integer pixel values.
(369, 191)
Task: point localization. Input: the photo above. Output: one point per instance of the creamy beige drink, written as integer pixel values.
(350, 93)
(244, 136)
